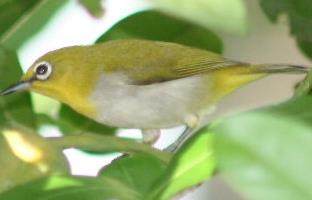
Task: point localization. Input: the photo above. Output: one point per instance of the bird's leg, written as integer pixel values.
(150, 136)
(191, 124)
(178, 143)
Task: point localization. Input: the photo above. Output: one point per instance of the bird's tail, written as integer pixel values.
(279, 68)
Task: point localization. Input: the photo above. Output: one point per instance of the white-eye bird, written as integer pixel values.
(148, 85)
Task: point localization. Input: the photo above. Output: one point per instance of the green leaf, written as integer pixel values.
(14, 171)
(123, 179)
(71, 122)
(11, 11)
(94, 7)
(266, 154)
(225, 15)
(300, 19)
(138, 172)
(152, 25)
(65, 188)
(25, 157)
(14, 108)
(193, 164)
(30, 23)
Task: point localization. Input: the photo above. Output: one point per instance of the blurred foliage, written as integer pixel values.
(224, 15)
(266, 154)
(140, 176)
(193, 164)
(132, 172)
(15, 108)
(30, 22)
(11, 11)
(93, 6)
(64, 188)
(26, 156)
(299, 16)
(139, 26)
(263, 154)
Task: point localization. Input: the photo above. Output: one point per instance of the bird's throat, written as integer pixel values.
(74, 100)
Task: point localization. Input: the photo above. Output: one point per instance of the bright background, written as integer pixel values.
(265, 43)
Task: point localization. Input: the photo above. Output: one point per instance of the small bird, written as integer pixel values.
(149, 85)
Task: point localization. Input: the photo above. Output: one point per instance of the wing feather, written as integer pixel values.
(150, 62)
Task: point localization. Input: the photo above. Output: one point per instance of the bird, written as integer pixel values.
(142, 84)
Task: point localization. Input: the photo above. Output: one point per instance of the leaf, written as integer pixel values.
(93, 6)
(14, 171)
(11, 11)
(300, 19)
(193, 164)
(30, 23)
(13, 108)
(150, 25)
(114, 182)
(266, 154)
(137, 172)
(123, 179)
(71, 122)
(224, 15)
(25, 157)
(64, 188)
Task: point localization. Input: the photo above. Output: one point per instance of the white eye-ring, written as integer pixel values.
(43, 70)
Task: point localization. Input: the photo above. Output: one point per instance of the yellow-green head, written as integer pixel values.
(65, 75)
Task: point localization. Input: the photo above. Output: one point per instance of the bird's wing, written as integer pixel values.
(204, 66)
(148, 62)
(183, 69)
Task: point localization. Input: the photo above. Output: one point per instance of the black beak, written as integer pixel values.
(21, 86)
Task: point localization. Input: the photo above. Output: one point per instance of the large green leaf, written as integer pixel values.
(30, 22)
(266, 154)
(17, 107)
(225, 15)
(125, 179)
(153, 25)
(300, 19)
(138, 172)
(193, 164)
(11, 11)
(65, 188)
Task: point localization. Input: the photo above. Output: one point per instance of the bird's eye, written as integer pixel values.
(43, 70)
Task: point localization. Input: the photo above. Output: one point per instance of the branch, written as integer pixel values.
(95, 142)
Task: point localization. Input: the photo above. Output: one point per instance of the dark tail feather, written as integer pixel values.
(280, 68)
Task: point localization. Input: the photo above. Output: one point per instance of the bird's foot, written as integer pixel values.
(150, 136)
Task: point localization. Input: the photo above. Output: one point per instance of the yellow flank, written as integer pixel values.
(227, 80)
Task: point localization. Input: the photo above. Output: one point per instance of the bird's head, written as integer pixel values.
(67, 75)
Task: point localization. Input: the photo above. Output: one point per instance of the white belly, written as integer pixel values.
(160, 105)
